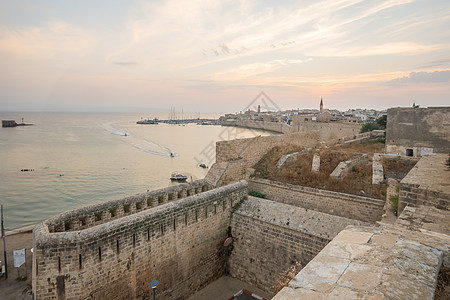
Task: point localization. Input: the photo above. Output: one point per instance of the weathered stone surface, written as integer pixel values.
(296, 218)
(416, 128)
(428, 183)
(270, 237)
(373, 263)
(334, 203)
(340, 292)
(344, 167)
(304, 294)
(354, 237)
(361, 277)
(321, 273)
(377, 169)
(284, 158)
(315, 163)
(344, 249)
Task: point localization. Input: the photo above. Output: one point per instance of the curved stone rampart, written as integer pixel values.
(179, 243)
(100, 213)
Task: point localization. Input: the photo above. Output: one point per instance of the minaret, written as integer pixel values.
(321, 105)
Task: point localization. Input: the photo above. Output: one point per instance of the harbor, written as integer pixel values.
(198, 121)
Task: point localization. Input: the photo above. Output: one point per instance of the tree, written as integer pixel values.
(379, 124)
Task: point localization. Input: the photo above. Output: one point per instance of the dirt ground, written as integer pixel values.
(13, 287)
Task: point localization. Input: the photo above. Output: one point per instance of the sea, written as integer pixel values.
(68, 160)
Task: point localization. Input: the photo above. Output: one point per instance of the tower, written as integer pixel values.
(321, 105)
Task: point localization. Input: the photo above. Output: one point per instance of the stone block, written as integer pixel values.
(361, 277)
(353, 237)
(315, 163)
(321, 273)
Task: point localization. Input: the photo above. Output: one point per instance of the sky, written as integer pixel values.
(217, 56)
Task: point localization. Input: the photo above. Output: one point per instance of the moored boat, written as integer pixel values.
(178, 177)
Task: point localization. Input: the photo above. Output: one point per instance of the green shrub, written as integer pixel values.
(256, 194)
(394, 202)
(378, 140)
(380, 123)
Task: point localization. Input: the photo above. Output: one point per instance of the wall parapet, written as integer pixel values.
(117, 259)
(426, 183)
(330, 202)
(270, 237)
(95, 214)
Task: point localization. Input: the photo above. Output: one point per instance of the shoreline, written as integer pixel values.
(22, 229)
(17, 286)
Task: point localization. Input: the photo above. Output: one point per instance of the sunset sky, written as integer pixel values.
(217, 56)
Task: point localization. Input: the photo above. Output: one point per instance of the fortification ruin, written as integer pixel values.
(345, 249)
(177, 241)
(418, 131)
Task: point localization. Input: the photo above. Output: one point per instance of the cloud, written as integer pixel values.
(53, 39)
(125, 63)
(258, 68)
(420, 77)
(400, 48)
(440, 63)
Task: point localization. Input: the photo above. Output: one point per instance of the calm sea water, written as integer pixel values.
(80, 159)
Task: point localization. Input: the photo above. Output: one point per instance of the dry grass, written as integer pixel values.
(285, 277)
(357, 182)
(397, 167)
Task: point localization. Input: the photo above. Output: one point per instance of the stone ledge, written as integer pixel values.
(371, 263)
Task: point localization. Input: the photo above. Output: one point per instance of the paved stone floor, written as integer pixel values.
(225, 287)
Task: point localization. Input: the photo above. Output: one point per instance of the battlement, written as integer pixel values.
(117, 258)
(93, 215)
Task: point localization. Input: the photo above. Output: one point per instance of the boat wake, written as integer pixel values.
(141, 144)
(154, 148)
(155, 152)
(111, 130)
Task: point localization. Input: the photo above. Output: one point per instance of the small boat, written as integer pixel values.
(172, 154)
(203, 166)
(178, 177)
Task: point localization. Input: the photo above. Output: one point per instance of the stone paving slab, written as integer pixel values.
(386, 262)
(321, 273)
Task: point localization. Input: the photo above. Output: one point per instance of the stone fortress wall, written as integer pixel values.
(270, 237)
(180, 243)
(416, 131)
(264, 125)
(332, 130)
(339, 204)
(252, 149)
(427, 183)
(97, 214)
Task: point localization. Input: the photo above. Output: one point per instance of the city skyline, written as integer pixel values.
(217, 57)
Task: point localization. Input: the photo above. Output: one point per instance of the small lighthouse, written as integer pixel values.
(321, 104)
